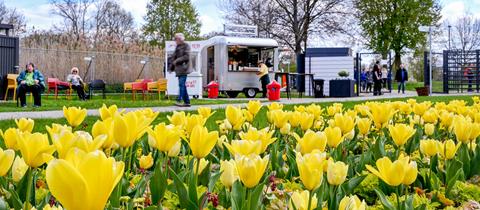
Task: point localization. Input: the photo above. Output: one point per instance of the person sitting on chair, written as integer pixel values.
(77, 83)
(30, 80)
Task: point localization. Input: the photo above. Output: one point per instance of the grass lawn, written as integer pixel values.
(219, 114)
(97, 102)
(437, 86)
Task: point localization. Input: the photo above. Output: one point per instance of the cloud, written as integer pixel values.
(138, 8)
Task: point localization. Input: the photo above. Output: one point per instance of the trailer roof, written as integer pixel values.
(247, 41)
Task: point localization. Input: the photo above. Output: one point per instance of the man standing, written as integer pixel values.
(30, 80)
(181, 66)
(401, 77)
(264, 79)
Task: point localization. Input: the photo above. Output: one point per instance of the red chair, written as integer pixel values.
(140, 86)
(57, 85)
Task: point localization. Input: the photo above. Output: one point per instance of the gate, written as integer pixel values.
(361, 85)
(461, 71)
(438, 71)
(9, 55)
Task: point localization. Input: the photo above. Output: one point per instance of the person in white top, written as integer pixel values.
(384, 76)
(77, 83)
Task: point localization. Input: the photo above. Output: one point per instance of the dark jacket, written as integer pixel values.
(37, 75)
(398, 75)
(181, 60)
(377, 73)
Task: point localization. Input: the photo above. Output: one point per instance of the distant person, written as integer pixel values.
(469, 75)
(264, 79)
(181, 65)
(269, 63)
(77, 83)
(377, 79)
(31, 80)
(401, 77)
(363, 80)
(384, 76)
(369, 80)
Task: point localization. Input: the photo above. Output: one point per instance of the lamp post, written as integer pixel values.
(428, 29)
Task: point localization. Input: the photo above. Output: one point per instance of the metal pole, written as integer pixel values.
(449, 27)
(431, 61)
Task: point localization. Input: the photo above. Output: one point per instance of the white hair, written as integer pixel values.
(180, 36)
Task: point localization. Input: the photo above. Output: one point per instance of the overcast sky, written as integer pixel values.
(38, 14)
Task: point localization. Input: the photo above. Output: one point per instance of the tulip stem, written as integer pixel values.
(398, 196)
(195, 181)
(310, 195)
(29, 187)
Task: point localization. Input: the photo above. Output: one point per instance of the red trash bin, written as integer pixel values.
(212, 89)
(273, 91)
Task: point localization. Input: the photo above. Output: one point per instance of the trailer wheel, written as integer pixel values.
(250, 92)
(195, 96)
(232, 94)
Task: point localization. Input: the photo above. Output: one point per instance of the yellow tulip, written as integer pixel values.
(146, 161)
(315, 110)
(421, 108)
(396, 173)
(405, 108)
(364, 125)
(229, 173)
(235, 117)
(247, 115)
(25, 124)
(299, 201)
(280, 118)
(401, 133)
(381, 114)
(163, 137)
(149, 114)
(104, 128)
(300, 108)
(311, 141)
(107, 112)
(192, 121)
(334, 136)
(429, 129)
(310, 166)
(475, 132)
(254, 107)
(173, 152)
(202, 142)
(19, 168)
(344, 122)
(85, 142)
(251, 134)
(306, 121)
(205, 111)
(251, 168)
(63, 143)
(128, 128)
(74, 115)
(295, 117)
(337, 173)
(352, 203)
(6, 160)
(57, 129)
(244, 147)
(201, 167)
(334, 109)
(429, 147)
(48, 207)
(430, 116)
(83, 180)
(275, 106)
(285, 130)
(463, 129)
(10, 138)
(178, 119)
(35, 149)
(264, 135)
(448, 149)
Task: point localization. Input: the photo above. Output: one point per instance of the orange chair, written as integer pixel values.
(158, 86)
(56, 85)
(11, 85)
(127, 86)
(140, 86)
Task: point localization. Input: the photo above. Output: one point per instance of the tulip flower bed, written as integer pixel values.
(376, 155)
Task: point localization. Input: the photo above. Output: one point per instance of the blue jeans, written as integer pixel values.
(401, 85)
(183, 89)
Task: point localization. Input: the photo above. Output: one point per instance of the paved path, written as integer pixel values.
(94, 112)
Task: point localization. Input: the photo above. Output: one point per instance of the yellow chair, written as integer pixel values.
(11, 85)
(127, 86)
(158, 86)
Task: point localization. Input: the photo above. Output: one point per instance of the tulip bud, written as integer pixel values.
(146, 161)
(25, 125)
(19, 168)
(337, 173)
(429, 147)
(352, 202)
(429, 129)
(74, 115)
(299, 200)
(229, 173)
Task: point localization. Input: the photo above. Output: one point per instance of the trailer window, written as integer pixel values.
(243, 58)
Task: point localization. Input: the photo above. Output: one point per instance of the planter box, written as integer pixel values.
(422, 91)
(342, 88)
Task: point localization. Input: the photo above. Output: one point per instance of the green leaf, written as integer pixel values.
(352, 183)
(451, 182)
(213, 179)
(409, 202)
(185, 202)
(116, 194)
(464, 157)
(158, 183)
(238, 195)
(256, 197)
(385, 202)
(15, 200)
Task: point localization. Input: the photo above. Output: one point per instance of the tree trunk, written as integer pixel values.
(397, 61)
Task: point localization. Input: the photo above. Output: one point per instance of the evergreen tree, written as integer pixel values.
(166, 17)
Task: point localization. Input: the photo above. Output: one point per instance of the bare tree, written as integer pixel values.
(12, 16)
(466, 33)
(290, 21)
(75, 15)
(112, 21)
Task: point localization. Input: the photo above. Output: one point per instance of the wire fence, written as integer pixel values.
(113, 68)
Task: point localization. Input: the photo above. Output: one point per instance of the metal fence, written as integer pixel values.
(113, 68)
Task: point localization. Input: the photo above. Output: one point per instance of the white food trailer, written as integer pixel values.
(230, 61)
